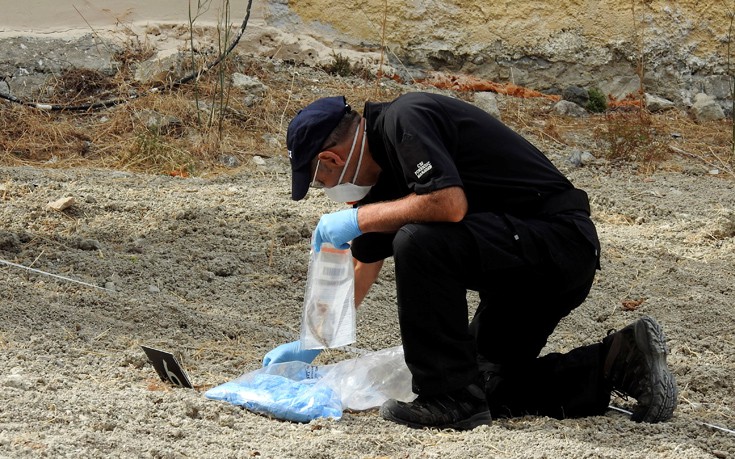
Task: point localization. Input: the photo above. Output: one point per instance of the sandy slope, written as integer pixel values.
(71, 18)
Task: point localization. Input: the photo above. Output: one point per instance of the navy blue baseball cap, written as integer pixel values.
(306, 135)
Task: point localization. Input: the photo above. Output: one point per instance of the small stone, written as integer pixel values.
(17, 381)
(61, 204)
(587, 157)
(9, 242)
(657, 104)
(567, 108)
(154, 289)
(577, 95)
(250, 84)
(575, 158)
(229, 161)
(89, 244)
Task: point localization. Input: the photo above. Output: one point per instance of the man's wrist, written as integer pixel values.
(356, 221)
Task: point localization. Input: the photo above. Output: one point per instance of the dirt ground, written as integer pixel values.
(212, 267)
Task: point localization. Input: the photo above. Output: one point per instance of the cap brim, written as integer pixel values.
(300, 180)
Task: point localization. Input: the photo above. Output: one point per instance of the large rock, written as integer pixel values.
(538, 44)
(706, 108)
(657, 104)
(250, 84)
(165, 67)
(27, 64)
(488, 102)
(567, 108)
(621, 87)
(579, 96)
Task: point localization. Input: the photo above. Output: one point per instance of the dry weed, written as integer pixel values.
(78, 85)
(633, 136)
(189, 128)
(31, 136)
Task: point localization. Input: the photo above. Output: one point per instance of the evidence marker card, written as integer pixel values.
(167, 367)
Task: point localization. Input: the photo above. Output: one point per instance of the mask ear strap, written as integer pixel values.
(352, 150)
(316, 169)
(362, 148)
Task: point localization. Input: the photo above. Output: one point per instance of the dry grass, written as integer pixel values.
(166, 133)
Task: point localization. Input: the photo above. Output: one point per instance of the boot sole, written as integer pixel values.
(651, 340)
(483, 418)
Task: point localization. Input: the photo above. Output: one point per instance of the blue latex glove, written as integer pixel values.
(337, 228)
(290, 352)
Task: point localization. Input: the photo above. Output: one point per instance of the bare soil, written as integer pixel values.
(212, 267)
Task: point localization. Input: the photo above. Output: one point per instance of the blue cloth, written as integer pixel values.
(299, 392)
(280, 397)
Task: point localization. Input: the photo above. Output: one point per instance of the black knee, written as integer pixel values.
(409, 244)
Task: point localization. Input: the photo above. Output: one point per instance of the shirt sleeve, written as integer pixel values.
(422, 144)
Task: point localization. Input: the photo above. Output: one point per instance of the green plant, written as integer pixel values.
(597, 102)
(340, 65)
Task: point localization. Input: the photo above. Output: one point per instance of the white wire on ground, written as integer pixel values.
(285, 334)
(38, 271)
(711, 426)
(289, 335)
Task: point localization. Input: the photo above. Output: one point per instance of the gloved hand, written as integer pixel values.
(337, 228)
(290, 352)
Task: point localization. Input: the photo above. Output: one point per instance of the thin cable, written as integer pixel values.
(289, 335)
(38, 271)
(120, 100)
(712, 426)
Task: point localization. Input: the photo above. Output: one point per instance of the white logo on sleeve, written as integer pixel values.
(422, 168)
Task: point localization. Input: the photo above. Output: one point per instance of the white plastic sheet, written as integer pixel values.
(300, 392)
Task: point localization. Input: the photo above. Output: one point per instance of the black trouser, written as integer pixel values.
(521, 302)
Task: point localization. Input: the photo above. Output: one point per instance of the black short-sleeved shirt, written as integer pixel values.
(425, 142)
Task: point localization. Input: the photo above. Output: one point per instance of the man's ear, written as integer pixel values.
(331, 159)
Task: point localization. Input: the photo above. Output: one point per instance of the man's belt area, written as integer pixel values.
(542, 206)
(569, 200)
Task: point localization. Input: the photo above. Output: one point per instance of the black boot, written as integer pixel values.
(463, 409)
(635, 365)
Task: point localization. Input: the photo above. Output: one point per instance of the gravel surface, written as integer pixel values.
(213, 269)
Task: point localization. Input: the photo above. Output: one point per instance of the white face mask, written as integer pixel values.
(349, 192)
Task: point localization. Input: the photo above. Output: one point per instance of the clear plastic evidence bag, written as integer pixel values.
(328, 316)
